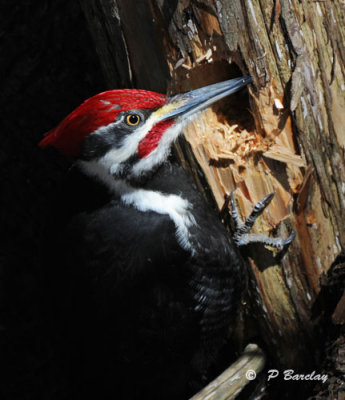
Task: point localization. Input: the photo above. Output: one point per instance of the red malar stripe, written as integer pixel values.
(152, 139)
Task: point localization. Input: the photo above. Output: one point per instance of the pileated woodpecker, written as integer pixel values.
(154, 278)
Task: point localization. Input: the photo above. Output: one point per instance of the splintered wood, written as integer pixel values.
(235, 158)
(229, 142)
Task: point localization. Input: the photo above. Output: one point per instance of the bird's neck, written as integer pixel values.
(148, 197)
(98, 172)
(117, 186)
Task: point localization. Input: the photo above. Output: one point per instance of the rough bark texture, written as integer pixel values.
(287, 138)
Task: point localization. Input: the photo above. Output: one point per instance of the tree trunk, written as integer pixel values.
(284, 137)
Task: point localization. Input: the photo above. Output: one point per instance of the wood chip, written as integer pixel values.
(278, 104)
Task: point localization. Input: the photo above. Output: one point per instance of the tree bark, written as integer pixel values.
(286, 137)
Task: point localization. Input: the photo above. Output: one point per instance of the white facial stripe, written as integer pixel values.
(161, 152)
(113, 158)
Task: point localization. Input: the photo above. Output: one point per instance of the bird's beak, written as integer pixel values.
(189, 103)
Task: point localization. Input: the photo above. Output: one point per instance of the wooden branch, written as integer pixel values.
(233, 380)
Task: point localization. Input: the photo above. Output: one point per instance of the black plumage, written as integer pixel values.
(139, 316)
(143, 277)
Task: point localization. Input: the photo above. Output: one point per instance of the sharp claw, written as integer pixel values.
(241, 235)
(289, 239)
(267, 199)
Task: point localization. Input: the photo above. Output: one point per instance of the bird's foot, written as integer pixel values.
(241, 235)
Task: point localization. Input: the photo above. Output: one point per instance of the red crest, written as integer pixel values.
(97, 111)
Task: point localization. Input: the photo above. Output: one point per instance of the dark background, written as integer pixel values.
(48, 67)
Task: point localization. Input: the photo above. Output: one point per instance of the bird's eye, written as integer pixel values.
(133, 119)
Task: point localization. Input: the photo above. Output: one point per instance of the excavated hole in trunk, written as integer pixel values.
(233, 137)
